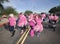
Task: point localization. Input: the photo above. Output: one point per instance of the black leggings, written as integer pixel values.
(11, 28)
(22, 28)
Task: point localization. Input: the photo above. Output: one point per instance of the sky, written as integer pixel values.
(33, 5)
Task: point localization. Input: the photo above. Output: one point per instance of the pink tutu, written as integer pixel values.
(38, 28)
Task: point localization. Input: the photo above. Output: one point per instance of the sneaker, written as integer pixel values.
(38, 34)
(21, 32)
(13, 33)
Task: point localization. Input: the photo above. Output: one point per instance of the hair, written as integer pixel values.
(54, 14)
(20, 13)
(11, 15)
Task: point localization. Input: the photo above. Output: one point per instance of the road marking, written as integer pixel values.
(23, 36)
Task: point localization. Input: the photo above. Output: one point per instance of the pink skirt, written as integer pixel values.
(38, 28)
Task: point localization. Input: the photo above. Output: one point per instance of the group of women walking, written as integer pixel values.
(33, 20)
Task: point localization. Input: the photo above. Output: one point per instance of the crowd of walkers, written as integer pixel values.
(33, 20)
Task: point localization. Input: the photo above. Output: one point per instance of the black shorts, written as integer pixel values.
(54, 21)
(22, 28)
(11, 28)
(49, 21)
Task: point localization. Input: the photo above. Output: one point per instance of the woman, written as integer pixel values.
(43, 15)
(32, 24)
(22, 22)
(38, 28)
(54, 21)
(12, 23)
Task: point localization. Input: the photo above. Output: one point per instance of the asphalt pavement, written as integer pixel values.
(5, 36)
(46, 37)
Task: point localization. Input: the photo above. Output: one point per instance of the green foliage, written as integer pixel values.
(2, 1)
(27, 12)
(1, 9)
(55, 9)
(1, 6)
(9, 10)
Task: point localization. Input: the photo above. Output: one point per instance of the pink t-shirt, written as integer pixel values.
(22, 20)
(12, 21)
(31, 20)
(51, 17)
(55, 17)
(38, 28)
(31, 17)
(38, 20)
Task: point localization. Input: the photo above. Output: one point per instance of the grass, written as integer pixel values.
(59, 18)
(0, 16)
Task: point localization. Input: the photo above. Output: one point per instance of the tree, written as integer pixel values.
(54, 9)
(2, 1)
(27, 12)
(1, 6)
(9, 10)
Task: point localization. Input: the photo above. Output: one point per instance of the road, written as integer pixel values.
(5, 35)
(46, 37)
